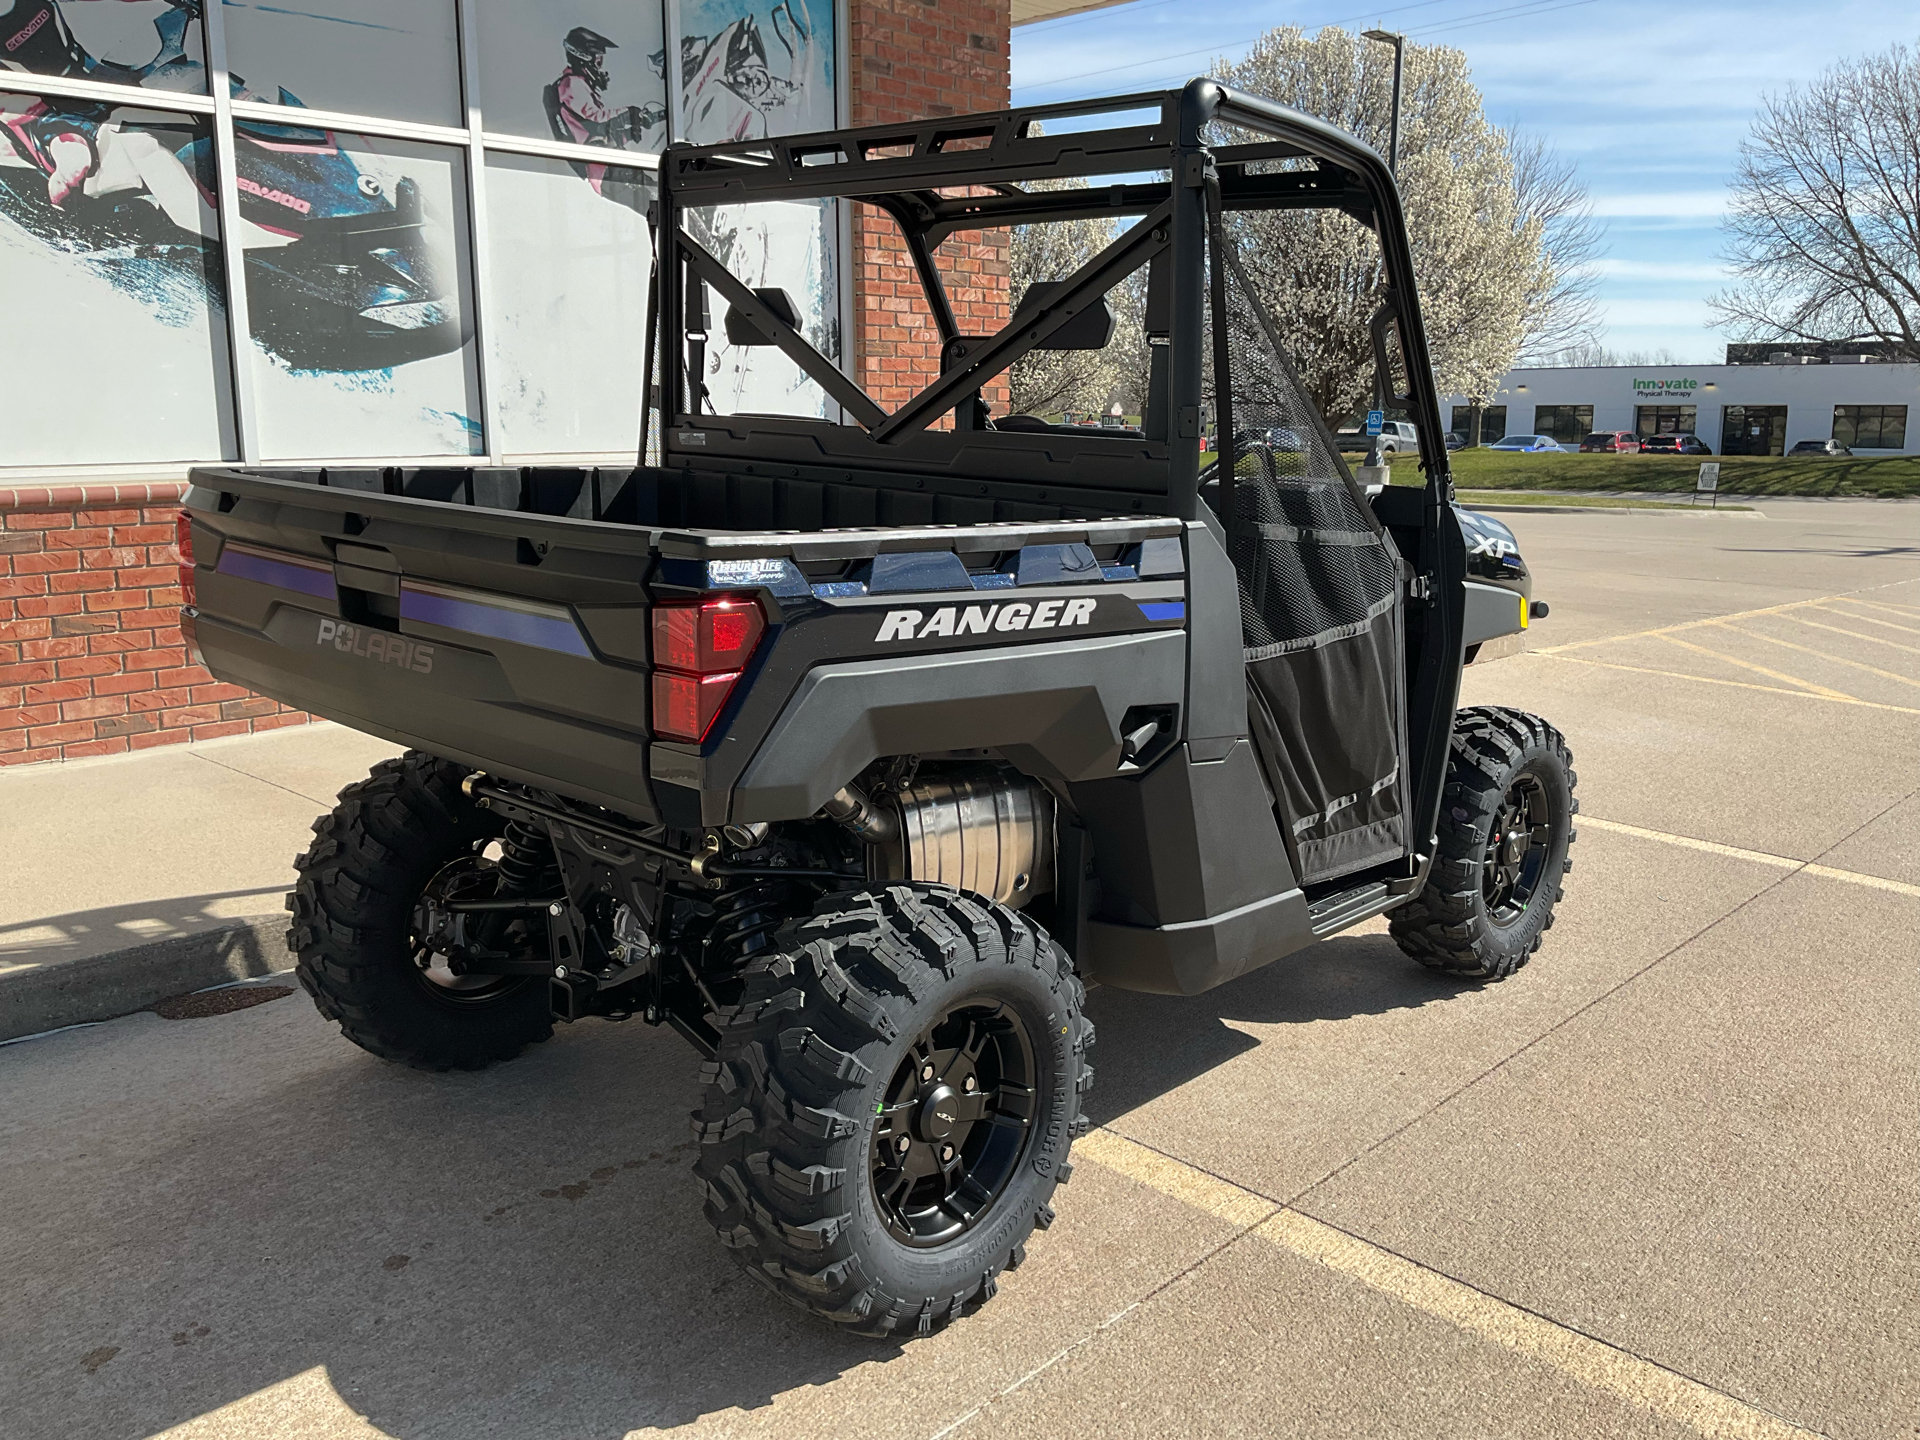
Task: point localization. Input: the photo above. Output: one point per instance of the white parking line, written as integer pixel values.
(1757, 857)
(1593, 1363)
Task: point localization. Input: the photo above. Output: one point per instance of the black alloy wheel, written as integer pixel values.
(1506, 826)
(1517, 844)
(437, 960)
(954, 1123)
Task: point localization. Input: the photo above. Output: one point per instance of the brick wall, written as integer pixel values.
(91, 657)
(911, 60)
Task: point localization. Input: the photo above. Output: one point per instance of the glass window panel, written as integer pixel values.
(113, 296)
(398, 59)
(358, 294)
(753, 68)
(152, 43)
(570, 256)
(788, 245)
(1871, 427)
(1569, 424)
(588, 72)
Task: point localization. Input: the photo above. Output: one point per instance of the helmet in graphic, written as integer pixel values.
(587, 54)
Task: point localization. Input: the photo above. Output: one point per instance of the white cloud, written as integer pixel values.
(1670, 204)
(1660, 270)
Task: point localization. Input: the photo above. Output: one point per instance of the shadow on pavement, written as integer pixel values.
(218, 1205)
(51, 938)
(1150, 1044)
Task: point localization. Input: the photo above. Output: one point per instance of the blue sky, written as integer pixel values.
(1650, 101)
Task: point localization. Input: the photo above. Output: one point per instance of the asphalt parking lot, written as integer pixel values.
(1661, 1183)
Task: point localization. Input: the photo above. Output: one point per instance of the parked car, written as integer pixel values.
(1395, 436)
(1675, 445)
(1616, 442)
(1532, 444)
(1287, 442)
(1819, 447)
(1456, 441)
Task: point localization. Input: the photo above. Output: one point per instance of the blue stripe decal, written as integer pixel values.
(1164, 609)
(314, 580)
(547, 632)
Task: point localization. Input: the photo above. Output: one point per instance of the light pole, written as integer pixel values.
(1399, 43)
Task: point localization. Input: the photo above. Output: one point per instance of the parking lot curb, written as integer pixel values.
(104, 987)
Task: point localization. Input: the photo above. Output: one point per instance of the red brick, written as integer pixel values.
(28, 672)
(23, 586)
(50, 691)
(160, 515)
(106, 517)
(10, 741)
(84, 538)
(39, 519)
(220, 729)
(60, 647)
(185, 675)
(121, 642)
(250, 708)
(156, 577)
(145, 534)
(41, 607)
(94, 707)
(218, 690)
(109, 557)
(22, 631)
(33, 756)
(24, 716)
(43, 562)
(79, 580)
(83, 667)
(191, 715)
(65, 734)
(126, 725)
(99, 625)
(93, 747)
(123, 684)
(156, 659)
(116, 600)
(12, 696)
(163, 614)
(160, 737)
(27, 542)
(162, 699)
(281, 720)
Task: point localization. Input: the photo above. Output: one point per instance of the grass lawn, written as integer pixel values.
(1739, 474)
(1471, 498)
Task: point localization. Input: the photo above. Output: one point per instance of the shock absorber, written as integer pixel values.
(526, 854)
(744, 923)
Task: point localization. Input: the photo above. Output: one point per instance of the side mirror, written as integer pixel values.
(1091, 329)
(741, 330)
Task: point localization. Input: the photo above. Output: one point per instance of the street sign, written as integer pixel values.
(1376, 419)
(1709, 481)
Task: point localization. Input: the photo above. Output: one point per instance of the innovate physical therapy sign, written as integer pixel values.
(1682, 389)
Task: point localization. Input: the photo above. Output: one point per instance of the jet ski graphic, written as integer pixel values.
(344, 270)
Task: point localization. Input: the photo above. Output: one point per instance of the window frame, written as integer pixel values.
(1852, 442)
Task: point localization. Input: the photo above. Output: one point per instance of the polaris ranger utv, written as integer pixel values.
(851, 747)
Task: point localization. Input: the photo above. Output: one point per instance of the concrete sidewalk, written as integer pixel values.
(134, 877)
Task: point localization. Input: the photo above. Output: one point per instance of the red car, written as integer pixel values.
(1619, 442)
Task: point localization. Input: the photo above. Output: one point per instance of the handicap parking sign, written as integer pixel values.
(1375, 420)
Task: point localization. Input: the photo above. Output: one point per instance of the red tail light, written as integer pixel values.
(183, 543)
(699, 649)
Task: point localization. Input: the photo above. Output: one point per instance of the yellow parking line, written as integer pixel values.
(1824, 690)
(1896, 609)
(1824, 655)
(1714, 620)
(1593, 1363)
(1868, 619)
(1712, 680)
(1757, 857)
(1836, 630)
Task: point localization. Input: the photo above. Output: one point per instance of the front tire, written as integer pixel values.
(1506, 826)
(892, 1106)
(406, 827)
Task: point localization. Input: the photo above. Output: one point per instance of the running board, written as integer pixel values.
(1350, 907)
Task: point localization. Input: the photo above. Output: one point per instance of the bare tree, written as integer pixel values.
(1562, 309)
(1824, 229)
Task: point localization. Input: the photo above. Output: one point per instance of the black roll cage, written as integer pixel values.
(901, 170)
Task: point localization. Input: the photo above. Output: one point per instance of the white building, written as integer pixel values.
(1757, 409)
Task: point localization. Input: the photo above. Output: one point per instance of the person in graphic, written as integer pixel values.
(74, 142)
(579, 114)
(732, 92)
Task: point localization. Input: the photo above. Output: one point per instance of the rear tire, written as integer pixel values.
(1490, 895)
(873, 1026)
(372, 858)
